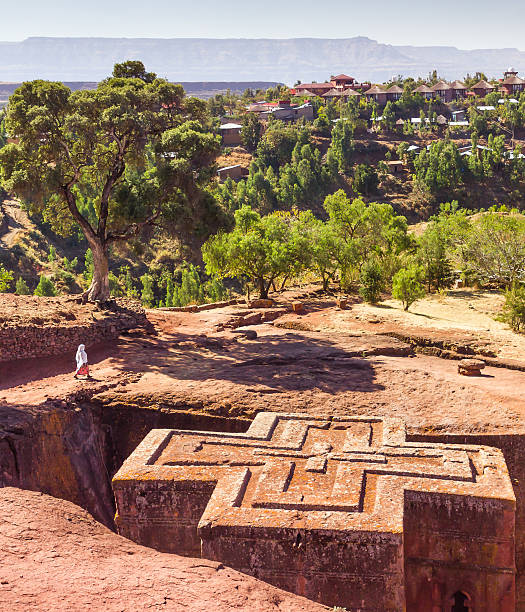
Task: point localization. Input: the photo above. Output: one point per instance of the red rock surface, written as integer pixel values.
(54, 556)
(330, 509)
(326, 362)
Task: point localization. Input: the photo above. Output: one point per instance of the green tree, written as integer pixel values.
(363, 230)
(495, 247)
(215, 291)
(278, 142)
(407, 285)
(126, 280)
(440, 167)
(147, 296)
(21, 287)
(258, 248)
(434, 254)
(45, 287)
(169, 291)
(322, 124)
(514, 307)
(3, 131)
(136, 145)
(477, 121)
(6, 278)
(366, 179)
(342, 146)
(372, 282)
(324, 245)
(190, 290)
(251, 131)
(133, 69)
(389, 116)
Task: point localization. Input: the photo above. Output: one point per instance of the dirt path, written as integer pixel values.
(17, 222)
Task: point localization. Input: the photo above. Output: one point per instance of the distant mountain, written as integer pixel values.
(206, 59)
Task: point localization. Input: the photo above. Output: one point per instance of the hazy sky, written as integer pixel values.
(466, 24)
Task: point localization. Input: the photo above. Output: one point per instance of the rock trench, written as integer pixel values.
(71, 451)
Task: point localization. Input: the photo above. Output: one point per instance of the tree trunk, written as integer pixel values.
(263, 289)
(99, 288)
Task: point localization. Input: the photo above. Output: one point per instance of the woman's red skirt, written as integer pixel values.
(83, 370)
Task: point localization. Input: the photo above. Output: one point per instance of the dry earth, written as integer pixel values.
(54, 556)
(324, 361)
(17, 311)
(17, 223)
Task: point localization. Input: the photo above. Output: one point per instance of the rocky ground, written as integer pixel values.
(227, 363)
(22, 310)
(54, 556)
(329, 360)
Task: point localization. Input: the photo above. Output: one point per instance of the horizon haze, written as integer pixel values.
(407, 22)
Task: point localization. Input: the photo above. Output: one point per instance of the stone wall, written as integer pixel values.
(513, 448)
(56, 337)
(201, 307)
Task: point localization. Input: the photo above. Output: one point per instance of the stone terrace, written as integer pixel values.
(341, 510)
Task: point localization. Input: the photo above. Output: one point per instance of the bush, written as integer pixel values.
(147, 297)
(215, 291)
(371, 277)
(514, 308)
(366, 179)
(45, 287)
(115, 288)
(21, 287)
(407, 285)
(6, 278)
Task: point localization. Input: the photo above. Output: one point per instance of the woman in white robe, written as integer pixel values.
(82, 362)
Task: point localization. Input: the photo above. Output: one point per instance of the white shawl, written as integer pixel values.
(81, 356)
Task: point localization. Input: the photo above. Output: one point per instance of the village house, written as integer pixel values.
(425, 91)
(235, 172)
(376, 93)
(286, 111)
(231, 134)
(512, 84)
(458, 89)
(482, 88)
(382, 95)
(340, 82)
(342, 87)
(442, 90)
(283, 110)
(393, 93)
(336, 94)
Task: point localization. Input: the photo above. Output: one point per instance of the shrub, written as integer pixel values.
(21, 287)
(115, 288)
(365, 179)
(407, 285)
(215, 290)
(371, 277)
(514, 308)
(45, 287)
(5, 278)
(147, 297)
